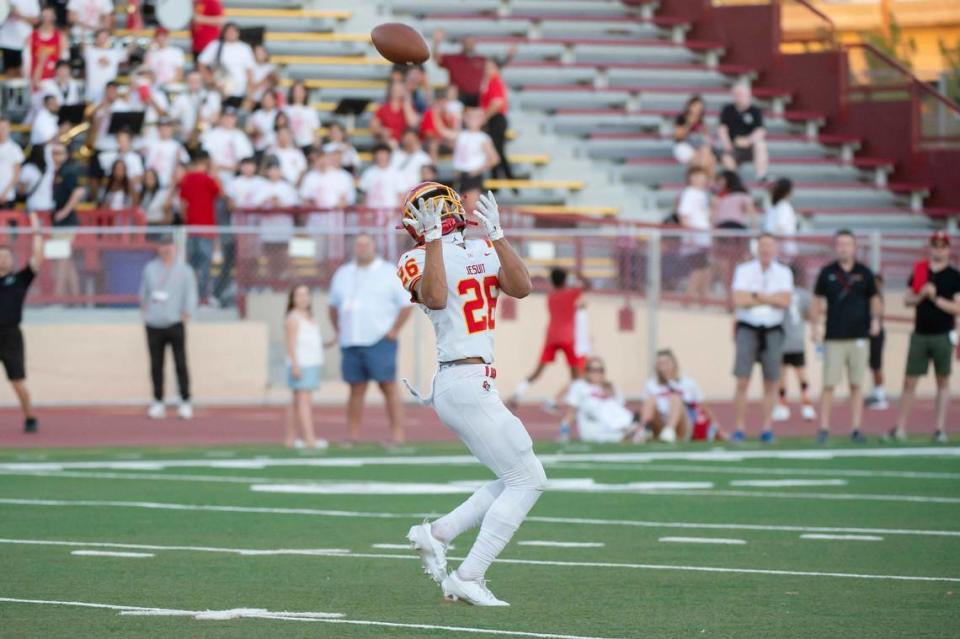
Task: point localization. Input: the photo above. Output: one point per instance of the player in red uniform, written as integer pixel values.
(564, 304)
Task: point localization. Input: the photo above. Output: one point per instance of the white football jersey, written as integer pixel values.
(465, 327)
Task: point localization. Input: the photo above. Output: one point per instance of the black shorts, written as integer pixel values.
(797, 360)
(94, 168)
(12, 59)
(876, 351)
(743, 155)
(11, 352)
(467, 183)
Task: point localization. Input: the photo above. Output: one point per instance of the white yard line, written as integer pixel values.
(731, 455)
(588, 521)
(250, 552)
(763, 494)
(569, 564)
(391, 546)
(785, 483)
(842, 537)
(724, 468)
(563, 544)
(702, 540)
(314, 617)
(108, 553)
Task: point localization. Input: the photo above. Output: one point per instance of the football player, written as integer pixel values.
(456, 282)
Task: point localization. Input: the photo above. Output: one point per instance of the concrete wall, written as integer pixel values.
(106, 362)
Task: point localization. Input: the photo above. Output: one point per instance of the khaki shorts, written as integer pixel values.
(851, 354)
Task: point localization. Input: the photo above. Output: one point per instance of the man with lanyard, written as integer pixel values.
(13, 291)
(762, 289)
(935, 293)
(848, 290)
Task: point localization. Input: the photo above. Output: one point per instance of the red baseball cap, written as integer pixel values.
(940, 237)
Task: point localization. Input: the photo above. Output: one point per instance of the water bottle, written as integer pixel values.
(564, 432)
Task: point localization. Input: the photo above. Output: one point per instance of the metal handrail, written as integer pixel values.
(830, 26)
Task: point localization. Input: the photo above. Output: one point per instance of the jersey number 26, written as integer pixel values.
(480, 307)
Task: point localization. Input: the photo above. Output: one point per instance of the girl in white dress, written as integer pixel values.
(304, 348)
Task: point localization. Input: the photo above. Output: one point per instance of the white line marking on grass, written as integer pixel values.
(779, 483)
(249, 552)
(702, 540)
(391, 546)
(534, 562)
(563, 544)
(843, 537)
(588, 521)
(919, 499)
(459, 460)
(583, 485)
(313, 617)
(108, 553)
(755, 470)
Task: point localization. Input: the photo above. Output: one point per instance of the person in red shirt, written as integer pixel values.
(493, 101)
(437, 124)
(465, 68)
(394, 117)
(208, 19)
(199, 190)
(46, 45)
(563, 303)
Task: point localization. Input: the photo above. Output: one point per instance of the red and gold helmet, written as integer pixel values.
(452, 216)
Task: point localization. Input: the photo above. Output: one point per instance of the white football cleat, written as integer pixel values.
(474, 593)
(185, 411)
(781, 413)
(433, 554)
(668, 435)
(157, 411)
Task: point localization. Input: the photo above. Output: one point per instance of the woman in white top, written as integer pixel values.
(304, 120)
(304, 361)
(600, 409)
(780, 219)
(672, 406)
(261, 125)
(473, 155)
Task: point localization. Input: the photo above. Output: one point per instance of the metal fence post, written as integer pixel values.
(653, 295)
(876, 262)
(180, 240)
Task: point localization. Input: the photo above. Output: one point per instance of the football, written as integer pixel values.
(400, 44)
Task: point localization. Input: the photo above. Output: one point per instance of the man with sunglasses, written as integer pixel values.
(934, 290)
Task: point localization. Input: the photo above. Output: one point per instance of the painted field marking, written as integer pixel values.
(587, 521)
(917, 499)
(108, 553)
(391, 546)
(702, 540)
(754, 470)
(247, 552)
(459, 460)
(578, 485)
(569, 564)
(260, 613)
(781, 483)
(563, 544)
(842, 537)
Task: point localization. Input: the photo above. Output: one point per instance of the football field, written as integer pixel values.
(628, 542)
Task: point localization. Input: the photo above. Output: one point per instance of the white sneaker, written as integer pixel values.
(808, 413)
(185, 411)
(473, 592)
(157, 411)
(321, 444)
(780, 413)
(433, 554)
(298, 444)
(667, 435)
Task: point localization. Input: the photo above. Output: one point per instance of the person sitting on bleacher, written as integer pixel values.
(337, 141)
(62, 85)
(742, 134)
(691, 137)
(304, 120)
(418, 86)
(327, 186)
(266, 78)
(118, 192)
(395, 116)
(124, 153)
(383, 185)
(164, 153)
(195, 110)
(261, 124)
(227, 145)
(165, 60)
(293, 164)
(45, 125)
(244, 191)
(409, 158)
(228, 64)
(439, 121)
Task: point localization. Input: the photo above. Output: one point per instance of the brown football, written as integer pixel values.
(400, 44)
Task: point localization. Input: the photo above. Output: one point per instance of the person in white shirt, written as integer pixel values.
(265, 76)
(693, 210)
(671, 401)
(11, 157)
(246, 190)
(473, 155)
(409, 159)
(227, 145)
(164, 60)
(292, 161)
(780, 220)
(327, 187)
(261, 124)
(86, 16)
(145, 95)
(101, 63)
(23, 16)
(382, 185)
(62, 85)
(232, 69)
(762, 289)
(304, 349)
(276, 193)
(599, 408)
(338, 141)
(130, 158)
(304, 120)
(46, 124)
(164, 153)
(196, 109)
(368, 307)
(156, 200)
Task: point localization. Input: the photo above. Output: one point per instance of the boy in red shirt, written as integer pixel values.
(563, 304)
(199, 190)
(208, 20)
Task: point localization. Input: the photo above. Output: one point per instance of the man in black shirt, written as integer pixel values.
(13, 290)
(742, 136)
(934, 290)
(849, 291)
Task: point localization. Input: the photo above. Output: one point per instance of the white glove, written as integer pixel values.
(426, 219)
(488, 214)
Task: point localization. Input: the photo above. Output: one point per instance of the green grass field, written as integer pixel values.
(895, 571)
